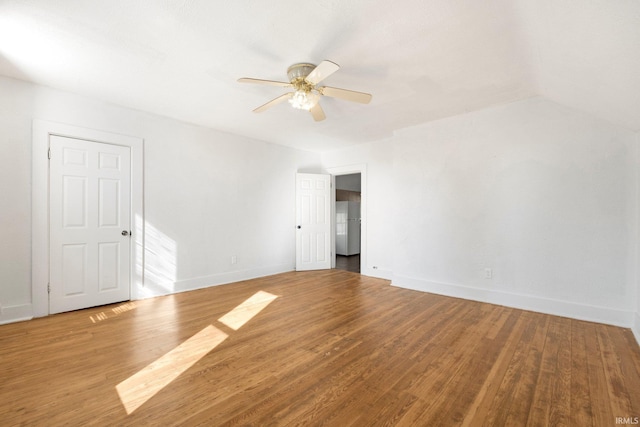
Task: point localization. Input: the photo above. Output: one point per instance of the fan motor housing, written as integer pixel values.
(299, 71)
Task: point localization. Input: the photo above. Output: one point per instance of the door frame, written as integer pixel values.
(348, 170)
(40, 269)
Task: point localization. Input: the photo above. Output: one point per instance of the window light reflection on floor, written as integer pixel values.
(142, 386)
(122, 308)
(247, 310)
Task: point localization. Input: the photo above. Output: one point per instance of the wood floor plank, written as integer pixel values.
(424, 367)
(468, 361)
(619, 394)
(598, 385)
(510, 334)
(628, 363)
(551, 401)
(506, 397)
(331, 348)
(581, 411)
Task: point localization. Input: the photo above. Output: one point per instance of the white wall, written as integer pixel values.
(636, 323)
(208, 195)
(15, 204)
(543, 195)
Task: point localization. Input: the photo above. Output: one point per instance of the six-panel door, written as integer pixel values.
(90, 205)
(313, 216)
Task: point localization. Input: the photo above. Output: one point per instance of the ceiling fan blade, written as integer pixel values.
(264, 82)
(273, 102)
(317, 112)
(321, 72)
(348, 95)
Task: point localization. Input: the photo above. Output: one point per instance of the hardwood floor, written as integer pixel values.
(322, 348)
(348, 263)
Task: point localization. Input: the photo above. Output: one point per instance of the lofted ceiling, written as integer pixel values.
(421, 59)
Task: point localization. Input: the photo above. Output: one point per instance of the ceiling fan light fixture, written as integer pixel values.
(304, 99)
(304, 79)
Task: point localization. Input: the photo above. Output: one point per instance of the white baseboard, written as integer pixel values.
(554, 307)
(153, 290)
(16, 313)
(25, 312)
(378, 273)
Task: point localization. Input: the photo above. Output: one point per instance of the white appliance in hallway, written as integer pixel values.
(347, 228)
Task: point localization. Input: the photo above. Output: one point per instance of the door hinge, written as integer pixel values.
(48, 288)
(49, 153)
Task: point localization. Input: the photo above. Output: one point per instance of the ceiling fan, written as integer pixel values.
(304, 79)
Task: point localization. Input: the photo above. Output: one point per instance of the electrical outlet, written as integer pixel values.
(234, 259)
(488, 273)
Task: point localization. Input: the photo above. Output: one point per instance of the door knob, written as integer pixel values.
(125, 233)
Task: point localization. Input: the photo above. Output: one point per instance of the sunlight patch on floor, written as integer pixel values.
(247, 310)
(142, 386)
(114, 312)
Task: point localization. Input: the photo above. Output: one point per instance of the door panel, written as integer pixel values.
(322, 247)
(75, 203)
(108, 265)
(74, 261)
(90, 205)
(109, 201)
(313, 231)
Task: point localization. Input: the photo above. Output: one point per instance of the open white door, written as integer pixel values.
(313, 226)
(90, 223)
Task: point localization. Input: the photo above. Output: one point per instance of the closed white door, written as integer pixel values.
(90, 220)
(313, 216)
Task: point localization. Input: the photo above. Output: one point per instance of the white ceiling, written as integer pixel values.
(421, 59)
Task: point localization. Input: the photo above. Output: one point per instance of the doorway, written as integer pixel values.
(348, 221)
